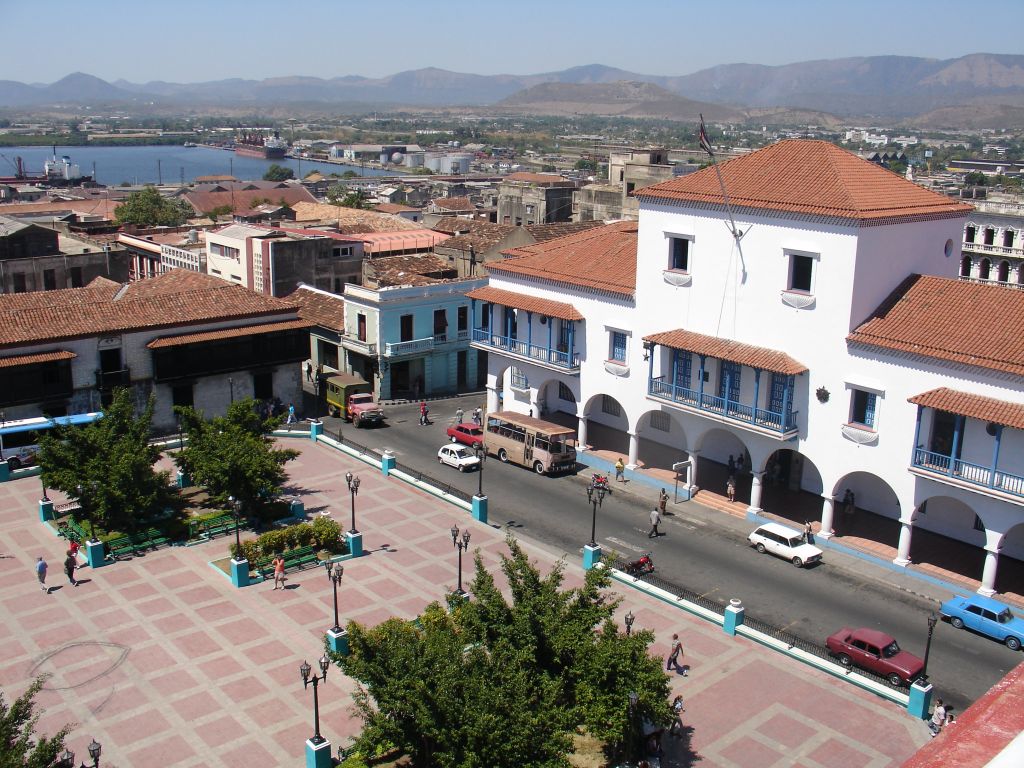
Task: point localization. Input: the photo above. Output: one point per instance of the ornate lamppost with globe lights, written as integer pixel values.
(239, 563)
(318, 749)
(337, 637)
(592, 552)
(354, 537)
(461, 544)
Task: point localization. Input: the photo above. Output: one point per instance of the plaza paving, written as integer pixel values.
(160, 660)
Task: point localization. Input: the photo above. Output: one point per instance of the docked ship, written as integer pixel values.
(255, 144)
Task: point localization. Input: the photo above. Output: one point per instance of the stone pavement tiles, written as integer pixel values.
(160, 660)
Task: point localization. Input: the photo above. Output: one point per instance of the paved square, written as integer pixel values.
(163, 663)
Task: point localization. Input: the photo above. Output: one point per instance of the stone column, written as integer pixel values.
(903, 549)
(988, 574)
(694, 483)
(581, 432)
(755, 493)
(634, 450)
(828, 511)
(492, 399)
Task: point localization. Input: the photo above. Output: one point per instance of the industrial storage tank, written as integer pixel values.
(458, 163)
(415, 159)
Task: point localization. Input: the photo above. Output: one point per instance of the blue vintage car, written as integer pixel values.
(986, 616)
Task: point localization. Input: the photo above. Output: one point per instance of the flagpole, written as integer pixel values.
(706, 146)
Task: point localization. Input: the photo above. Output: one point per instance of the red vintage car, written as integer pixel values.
(467, 433)
(875, 651)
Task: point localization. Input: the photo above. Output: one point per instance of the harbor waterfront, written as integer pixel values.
(166, 164)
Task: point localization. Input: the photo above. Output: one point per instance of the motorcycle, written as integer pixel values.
(597, 480)
(644, 564)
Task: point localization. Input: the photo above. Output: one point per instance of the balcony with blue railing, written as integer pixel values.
(744, 415)
(549, 357)
(945, 468)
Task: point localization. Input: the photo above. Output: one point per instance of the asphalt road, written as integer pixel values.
(706, 552)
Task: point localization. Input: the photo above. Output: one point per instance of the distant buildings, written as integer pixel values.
(534, 198)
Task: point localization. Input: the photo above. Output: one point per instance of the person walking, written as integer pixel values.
(732, 465)
(808, 532)
(309, 370)
(459, 413)
(938, 718)
(279, 571)
(677, 715)
(70, 563)
(291, 413)
(662, 501)
(730, 488)
(620, 471)
(41, 574)
(477, 416)
(655, 522)
(674, 655)
(423, 413)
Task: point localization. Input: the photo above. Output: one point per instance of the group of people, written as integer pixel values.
(70, 565)
(657, 514)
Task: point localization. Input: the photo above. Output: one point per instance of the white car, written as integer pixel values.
(458, 456)
(784, 542)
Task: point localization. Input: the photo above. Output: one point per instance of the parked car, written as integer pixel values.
(986, 616)
(458, 456)
(876, 651)
(21, 457)
(784, 542)
(467, 433)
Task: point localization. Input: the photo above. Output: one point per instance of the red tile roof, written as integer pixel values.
(40, 357)
(243, 199)
(394, 208)
(320, 307)
(951, 320)
(454, 203)
(408, 269)
(527, 303)
(227, 333)
(601, 258)
(812, 178)
(727, 349)
(178, 298)
(972, 406)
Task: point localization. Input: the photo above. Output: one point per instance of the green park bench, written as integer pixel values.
(293, 558)
(211, 527)
(69, 529)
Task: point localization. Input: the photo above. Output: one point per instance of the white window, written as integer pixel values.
(801, 272)
(679, 248)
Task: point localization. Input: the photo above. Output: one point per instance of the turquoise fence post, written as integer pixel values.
(316, 428)
(387, 462)
(920, 699)
(591, 556)
(338, 641)
(239, 573)
(95, 555)
(45, 509)
(733, 616)
(5, 471)
(480, 508)
(318, 755)
(183, 479)
(355, 543)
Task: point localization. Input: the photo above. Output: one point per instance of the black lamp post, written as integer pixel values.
(481, 453)
(43, 483)
(461, 544)
(595, 495)
(630, 618)
(932, 621)
(231, 387)
(353, 489)
(334, 573)
(305, 671)
(236, 507)
(67, 759)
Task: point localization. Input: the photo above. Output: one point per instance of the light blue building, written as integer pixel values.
(414, 340)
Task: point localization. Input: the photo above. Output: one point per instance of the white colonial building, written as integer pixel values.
(819, 332)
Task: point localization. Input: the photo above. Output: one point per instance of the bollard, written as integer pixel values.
(182, 479)
(297, 508)
(920, 699)
(387, 462)
(338, 641)
(316, 428)
(733, 616)
(318, 755)
(45, 510)
(239, 573)
(480, 508)
(355, 543)
(95, 555)
(5, 471)
(591, 556)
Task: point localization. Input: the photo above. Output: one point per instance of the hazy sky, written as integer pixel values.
(196, 40)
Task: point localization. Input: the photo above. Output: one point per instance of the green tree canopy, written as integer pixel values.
(148, 208)
(339, 194)
(108, 465)
(976, 178)
(496, 683)
(278, 173)
(214, 213)
(19, 748)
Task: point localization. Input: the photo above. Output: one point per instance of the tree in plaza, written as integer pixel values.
(278, 173)
(19, 745)
(493, 682)
(234, 455)
(147, 208)
(108, 465)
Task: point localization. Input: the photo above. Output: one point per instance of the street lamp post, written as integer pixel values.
(481, 453)
(932, 621)
(630, 618)
(461, 544)
(236, 507)
(231, 387)
(353, 489)
(305, 671)
(334, 573)
(595, 495)
(67, 759)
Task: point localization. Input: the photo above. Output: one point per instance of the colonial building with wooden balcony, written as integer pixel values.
(189, 338)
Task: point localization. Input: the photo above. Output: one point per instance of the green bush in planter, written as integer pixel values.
(326, 533)
(305, 535)
(251, 550)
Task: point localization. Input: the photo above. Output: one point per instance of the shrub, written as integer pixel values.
(251, 550)
(304, 535)
(326, 533)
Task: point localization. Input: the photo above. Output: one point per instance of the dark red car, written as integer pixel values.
(875, 651)
(467, 433)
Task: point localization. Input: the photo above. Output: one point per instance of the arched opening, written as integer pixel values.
(1003, 272)
(985, 269)
(965, 266)
(661, 442)
(990, 236)
(970, 232)
(948, 535)
(874, 513)
(607, 427)
(1008, 238)
(722, 454)
(556, 402)
(1010, 573)
(792, 487)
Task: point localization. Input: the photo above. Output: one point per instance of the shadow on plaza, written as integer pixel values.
(677, 748)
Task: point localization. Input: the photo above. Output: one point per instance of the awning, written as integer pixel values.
(725, 349)
(228, 333)
(972, 406)
(38, 357)
(515, 300)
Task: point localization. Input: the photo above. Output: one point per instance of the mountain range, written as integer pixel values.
(891, 87)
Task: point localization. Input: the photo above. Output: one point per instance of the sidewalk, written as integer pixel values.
(164, 663)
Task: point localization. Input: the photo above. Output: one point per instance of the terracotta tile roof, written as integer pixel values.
(323, 308)
(408, 269)
(727, 349)
(812, 178)
(339, 214)
(602, 258)
(544, 232)
(952, 320)
(394, 208)
(227, 333)
(385, 242)
(452, 225)
(243, 199)
(104, 208)
(481, 239)
(972, 406)
(453, 203)
(535, 178)
(39, 357)
(177, 298)
(527, 303)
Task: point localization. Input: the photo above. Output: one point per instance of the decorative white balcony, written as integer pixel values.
(414, 347)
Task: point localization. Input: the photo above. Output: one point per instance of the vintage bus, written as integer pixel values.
(540, 445)
(19, 439)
